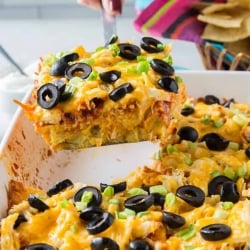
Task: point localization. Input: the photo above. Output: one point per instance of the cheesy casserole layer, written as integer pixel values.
(118, 93)
(195, 195)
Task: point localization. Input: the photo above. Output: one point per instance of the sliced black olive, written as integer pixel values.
(247, 152)
(59, 187)
(100, 224)
(227, 103)
(159, 199)
(215, 232)
(129, 51)
(103, 243)
(60, 84)
(187, 111)
(110, 76)
(169, 84)
(37, 203)
(214, 186)
(215, 142)
(162, 67)
(139, 203)
(48, 95)
(119, 92)
(188, 133)
(112, 39)
(96, 199)
(191, 194)
(139, 244)
(82, 70)
(20, 219)
(229, 192)
(211, 99)
(118, 187)
(173, 220)
(39, 246)
(151, 45)
(91, 213)
(59, 67)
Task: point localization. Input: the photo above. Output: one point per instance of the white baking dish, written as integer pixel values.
(25, 156)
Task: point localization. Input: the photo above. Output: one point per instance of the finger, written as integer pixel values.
(90, 3)
(113, 7)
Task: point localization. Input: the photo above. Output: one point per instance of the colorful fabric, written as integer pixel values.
(175, 19)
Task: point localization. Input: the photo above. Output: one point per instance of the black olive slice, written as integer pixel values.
(60, 84)
(211, 99)
(103, 243)
(96, 199)
(214, 186)
(139, 244)
(161, 67)
(247, 152)
(119, 92)
(187, 111)
(100, 224)
(227, 103)
(139, 203)
(110, 76)
(159, 199)
(151, 45)
(118, 187)
(215, 142)
(91, 213)
(168, 84)
(129, 51)
(191, 194)
(59, 187)
(48, 95)
(229, 192)
(82, 70)
(37, 203)
(188, 133)
(20, 219)
(215, 232)
(39, 246)
(173, 220)
(112, 39)
(59, 67)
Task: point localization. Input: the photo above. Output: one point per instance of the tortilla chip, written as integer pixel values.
(241, 3)
(222, 19)
(219, 34)
(219, 7)
(241, 46)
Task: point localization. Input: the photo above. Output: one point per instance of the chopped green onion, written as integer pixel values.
(187, 233)
(142, 66)
(132, 70)
(70, 89)
(187, 105)
(109, 191)
(61, 54)
(170, 199)
(171, 149)
(218, 123)
(161, 46)
(160, 189)
(220, 214)
(136, 191)
(169, 60)
(187, 160)
(241, 171)
(93, 75)
(141, 58)
(115, 49)
(234, 145)
(125, 213)
(49, 59)
(240, 119)
(114, 201)
(143, 213)
(64, 203)
(73, 228)
(89, 61)
(75, 81)
(87, 196)
(215, 173)
(192, 144)
(100, 48)
(178, 79)
(227, 205)
(158, 155)
(206, 119)
(230, 173)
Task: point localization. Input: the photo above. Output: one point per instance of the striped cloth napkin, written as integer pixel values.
(174, 19)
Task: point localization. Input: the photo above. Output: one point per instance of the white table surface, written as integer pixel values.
(28, 39)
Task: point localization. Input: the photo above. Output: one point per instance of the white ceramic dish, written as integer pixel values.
(25, 156)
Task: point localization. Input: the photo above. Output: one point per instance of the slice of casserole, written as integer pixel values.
(118, 93)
